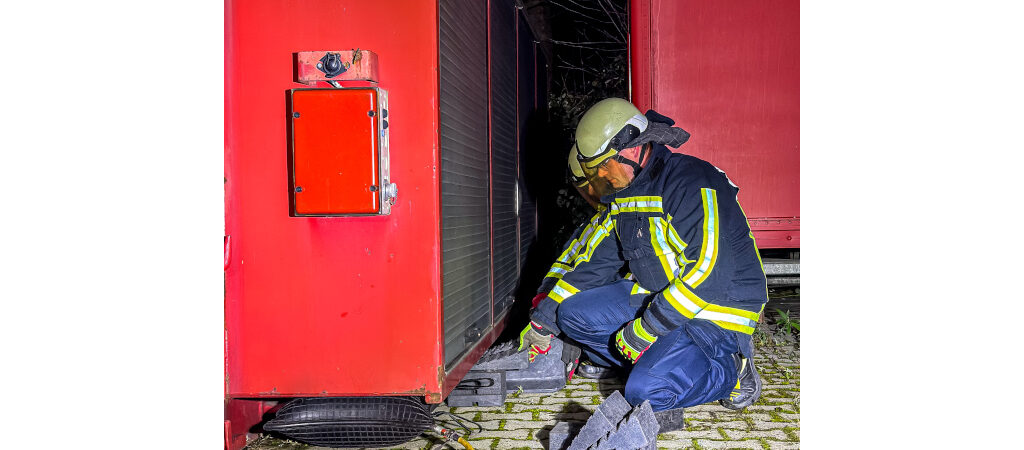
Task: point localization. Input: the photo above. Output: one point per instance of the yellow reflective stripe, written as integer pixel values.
(732, 326)
(660, 243)
(749, 315)
(751, 234)
(601, 232)
(572, 251)
(556, 272)
(729, 321)
(640, 331)
(756, 251)
(684, 300)
(709, 242)
(636, 204)
(638, 290)
(673, 237)
(562, 291)
(566, 256)
(682, 261)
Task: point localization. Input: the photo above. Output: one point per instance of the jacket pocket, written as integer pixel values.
(644, 262)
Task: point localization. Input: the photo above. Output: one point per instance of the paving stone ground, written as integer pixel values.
(526, 419)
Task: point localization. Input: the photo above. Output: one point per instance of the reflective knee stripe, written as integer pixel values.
(666, 254)
(709, 243)
(562, 291)
(638, 290)
(683, 299)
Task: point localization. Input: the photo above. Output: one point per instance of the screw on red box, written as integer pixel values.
(336, 65)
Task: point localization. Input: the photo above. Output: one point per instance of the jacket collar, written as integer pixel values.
(639, 184)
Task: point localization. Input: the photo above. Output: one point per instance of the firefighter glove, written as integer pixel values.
(634, 339)
(536, 339)
(537, 298)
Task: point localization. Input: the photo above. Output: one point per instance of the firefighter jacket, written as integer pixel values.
(685, 237)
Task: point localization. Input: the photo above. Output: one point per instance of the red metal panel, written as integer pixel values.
(728, 71)
(239, 417)
(462, 366)
(641, 70)
(359, 65)
(330, 305)
(335, 151)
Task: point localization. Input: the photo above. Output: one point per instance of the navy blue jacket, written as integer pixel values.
(685, 237)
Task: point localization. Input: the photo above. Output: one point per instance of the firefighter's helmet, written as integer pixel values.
(576, 174)
(605, 128)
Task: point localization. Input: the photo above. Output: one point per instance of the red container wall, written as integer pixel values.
(330, 305)
(728, 71)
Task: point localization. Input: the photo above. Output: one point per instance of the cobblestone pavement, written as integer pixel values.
(525, 420)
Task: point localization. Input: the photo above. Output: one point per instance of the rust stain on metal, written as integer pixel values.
(422, 390)
(360, 65)
(440, 377)
(270, 392)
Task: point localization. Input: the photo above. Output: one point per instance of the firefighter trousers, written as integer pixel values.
(689, 366)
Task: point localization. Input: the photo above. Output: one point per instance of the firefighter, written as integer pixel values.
(584, 248)
(685, 239)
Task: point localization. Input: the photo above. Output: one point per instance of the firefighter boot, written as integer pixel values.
(748, 385)
(588, 369)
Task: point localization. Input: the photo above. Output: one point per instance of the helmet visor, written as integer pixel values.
(629, 132)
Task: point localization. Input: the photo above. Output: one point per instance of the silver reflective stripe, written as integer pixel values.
(599, 235)
(639, 121)
(561, 292)
(678, 296)
(679, 245)
(627, 204)
(710, 228)
(666, 251)
(724, 317)
(558, 270)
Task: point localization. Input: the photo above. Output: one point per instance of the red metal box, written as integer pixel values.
(339, 152)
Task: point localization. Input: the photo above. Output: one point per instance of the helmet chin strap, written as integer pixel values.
(629, 162)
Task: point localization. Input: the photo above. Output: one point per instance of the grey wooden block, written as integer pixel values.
(561, 435)
(597, 427)
(638, 431)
